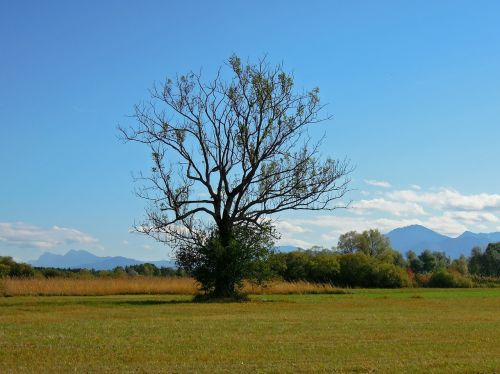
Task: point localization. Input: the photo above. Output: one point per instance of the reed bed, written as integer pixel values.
(143, 285)
(97, 286)
(292, 288)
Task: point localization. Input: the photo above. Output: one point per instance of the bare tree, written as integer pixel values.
(229, 154)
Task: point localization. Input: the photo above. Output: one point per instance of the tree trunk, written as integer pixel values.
(225, 282)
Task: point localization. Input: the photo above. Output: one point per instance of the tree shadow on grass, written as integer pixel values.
(198, 299)
(148, 302)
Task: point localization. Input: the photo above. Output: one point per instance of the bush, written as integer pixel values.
(448, 279)
(422, 279)
(483, 281)
(51, 273)
(21, 271)
(296, 267)
(4, 270)
(324, 267)
(390, 276)
(349, 270)
(359, 270)
(222, 262)
(356, 270)
(311, 266)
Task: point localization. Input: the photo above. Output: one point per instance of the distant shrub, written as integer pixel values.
(460, 265)
(487, 263)
(21, 271)
(349, 269)
(51, 272)
(483, 281)
(4, 270)
(356, 270)
(422, 279)
(311, 266)
(411, 277)
(295, 266)
(390, 276)
(324, 268)
(359, 270)
(449, 279)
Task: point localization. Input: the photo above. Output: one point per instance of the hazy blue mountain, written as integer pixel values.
(286, 248)
(72, 259)
(86, 260)
(418, 238)
(414, 237)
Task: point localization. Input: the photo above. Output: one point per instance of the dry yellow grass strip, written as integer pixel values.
(141, 285)
(98, 286)
(289, 288)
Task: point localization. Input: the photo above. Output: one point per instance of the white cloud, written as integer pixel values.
(448, 199)
(445, 225)
(295, 242)
(394, 207)
(19, 234)
(286, 227)
(472, 217)
(377, 183)
(482, 227)
(415, 187)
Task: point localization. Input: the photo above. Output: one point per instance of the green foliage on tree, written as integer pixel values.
(372, 243)
(361, 270)
(313, 266)
(221, 267)
(486, 263)
(443, 278)
(460, 265)
(8, 267)
(348, 269)
(428, 261)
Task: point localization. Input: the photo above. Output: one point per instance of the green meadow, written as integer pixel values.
(381, 331)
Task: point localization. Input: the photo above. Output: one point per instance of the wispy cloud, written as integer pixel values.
(22, 235)
(377, 183)
(447, 198)
(288, 227)
(394, 207)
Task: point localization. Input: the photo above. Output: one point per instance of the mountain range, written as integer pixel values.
(80, 259)
(75, 259)
(415, 237)
(418, 238)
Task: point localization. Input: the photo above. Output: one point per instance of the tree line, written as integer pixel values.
(13, 269)
(367, 259)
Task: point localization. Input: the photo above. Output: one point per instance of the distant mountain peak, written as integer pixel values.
(415, 227)
(419, 238)
(467, 233)
(84, 259)
(71, 251)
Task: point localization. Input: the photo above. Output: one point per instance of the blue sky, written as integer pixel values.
(413, 87)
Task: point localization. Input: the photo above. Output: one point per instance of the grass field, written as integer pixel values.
(398, 331)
